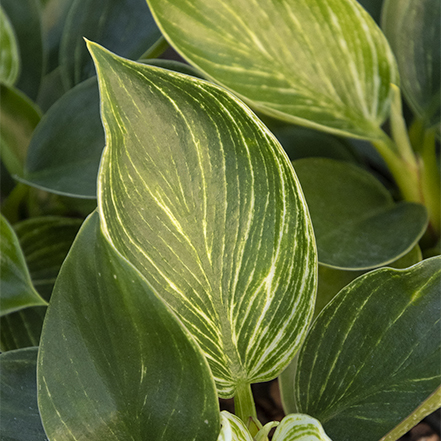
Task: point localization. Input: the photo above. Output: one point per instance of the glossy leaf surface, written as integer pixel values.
(372, 356)
(10, 57)
(413, 30)
(66, 148)
(18, 118)
(200, 197)
(356, 223)
(16, 289)
(114, 363)
(26, 20)
(297, 427)
(125, 26)
(21, 329)
(271, 54)
(233, 428)
(20, 419)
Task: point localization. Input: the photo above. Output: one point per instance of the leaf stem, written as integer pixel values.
(245, 408)
(156, 50)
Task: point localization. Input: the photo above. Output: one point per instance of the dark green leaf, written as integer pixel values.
(356, 223)
(10, 57)
(18, 118)
(66, 148)
(413, 30)
(45, 242)
(125, 26)
(200, 197)
(114, 362)
(26, 21)
(16, 289)
(20, 419)
(53, 21)
(22, 328)
(320, 63)
(372, 356)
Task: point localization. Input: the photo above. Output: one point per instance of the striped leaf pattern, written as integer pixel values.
(233, 428)
(298, 427)
(372, 356)
(321, 63)
(201, 198)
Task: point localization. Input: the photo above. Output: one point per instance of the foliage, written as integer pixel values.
(172, 233)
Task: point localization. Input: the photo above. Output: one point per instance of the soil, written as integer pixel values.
(269, 408)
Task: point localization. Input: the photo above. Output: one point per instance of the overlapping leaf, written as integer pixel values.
(20, 418)
(125, 26)
(25, 18)
(413, 29)
(114, 362)
(322, 63)
(10, 57)
(372, 356)
(298, 427)
(233, 428)
(200, 197)
(16, 289)
(18, 118)
(66, 148)
(356, 223)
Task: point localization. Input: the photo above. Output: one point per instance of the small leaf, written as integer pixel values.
(20, 419)
(16, 289)
(125, 26)
(201, 198)
(114, 362)
(66, 148)
(372, 356)
(320, 63)
(18, 118)
(22, 328)
(356, 223)
(10, 57)
(300, 428)
(26, 20)
(233, 428)
(413, 31)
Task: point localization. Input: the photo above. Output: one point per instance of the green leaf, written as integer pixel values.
(201, 198)
(125, 26)
(20, 419)
(21, 329)
(114, 362)
(18, 118)
(16, 287)
(428, 406)
(373, 7)
(26, 21)
(372, 356)
(45, 242)
(320, 63)
(66, 148)
(10, 57)
(300, 428)
(53, 21)
(233, 428)
(356, 222)
(413, 31)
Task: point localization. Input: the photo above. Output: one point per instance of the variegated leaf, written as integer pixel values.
(321, 63)
(233, 428)
(201, 198)
(299, 427)
(372, 356)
